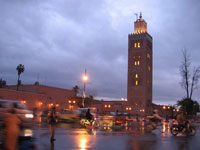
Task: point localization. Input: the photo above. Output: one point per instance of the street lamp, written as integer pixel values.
(164, 107)
(40, 104)
(23, 102)
(85, 79)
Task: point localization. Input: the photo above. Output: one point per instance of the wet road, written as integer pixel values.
(69, 137)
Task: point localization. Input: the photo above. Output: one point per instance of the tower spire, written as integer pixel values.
(140, 15)
(140, 25)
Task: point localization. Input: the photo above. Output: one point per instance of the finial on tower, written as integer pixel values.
(140, 15)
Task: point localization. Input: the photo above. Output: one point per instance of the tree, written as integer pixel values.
(189, 106)
(76, 90)
(195, 80)
(36, 83)
(186, 105)
(189, 82)
(89, 100)
(2, 83)
(20, 69)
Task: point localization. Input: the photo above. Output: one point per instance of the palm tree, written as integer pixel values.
(2, 83)
(76, 90)
(20, 69)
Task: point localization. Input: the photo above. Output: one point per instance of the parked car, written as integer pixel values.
(74, 115)
(113, 120)
(21, 110)
(68, 115)
(106, 121)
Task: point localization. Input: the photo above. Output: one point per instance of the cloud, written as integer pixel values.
(57, 40)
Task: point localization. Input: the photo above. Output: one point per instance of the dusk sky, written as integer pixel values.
(57, 39)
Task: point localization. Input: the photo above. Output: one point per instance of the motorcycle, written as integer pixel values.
(89, 124)
(186, 129)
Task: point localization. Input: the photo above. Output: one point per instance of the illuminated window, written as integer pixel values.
(105, 106)
(135, 45)
(136, 75)
(133, 57)
(135, 63)
(109, 106)
(139, 56)
(136, 82)
(138, 45)
(148, 55)
(149, 68)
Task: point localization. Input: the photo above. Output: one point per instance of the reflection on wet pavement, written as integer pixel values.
(136, 137)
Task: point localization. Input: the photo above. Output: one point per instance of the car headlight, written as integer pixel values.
(29, 115)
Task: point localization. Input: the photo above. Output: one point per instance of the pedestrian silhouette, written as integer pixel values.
(12, 129)
(52, 122)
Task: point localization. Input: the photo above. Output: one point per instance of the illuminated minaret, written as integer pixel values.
(140, 55)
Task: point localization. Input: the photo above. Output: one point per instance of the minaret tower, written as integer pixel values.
(140, 55)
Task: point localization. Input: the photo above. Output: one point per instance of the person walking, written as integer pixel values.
(52, 122)
(12, 129)
(155, 118)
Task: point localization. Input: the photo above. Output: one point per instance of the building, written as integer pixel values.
(140, 56)
(105, 107)
(40, 96)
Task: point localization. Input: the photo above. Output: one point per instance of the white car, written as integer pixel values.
(21, 110)
(69, 115)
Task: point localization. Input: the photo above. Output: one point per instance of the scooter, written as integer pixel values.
(186, 129)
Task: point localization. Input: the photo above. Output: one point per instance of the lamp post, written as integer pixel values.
(85, 79)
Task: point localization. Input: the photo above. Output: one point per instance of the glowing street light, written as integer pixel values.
(40, 104)
(23, 102)
(85, 79)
